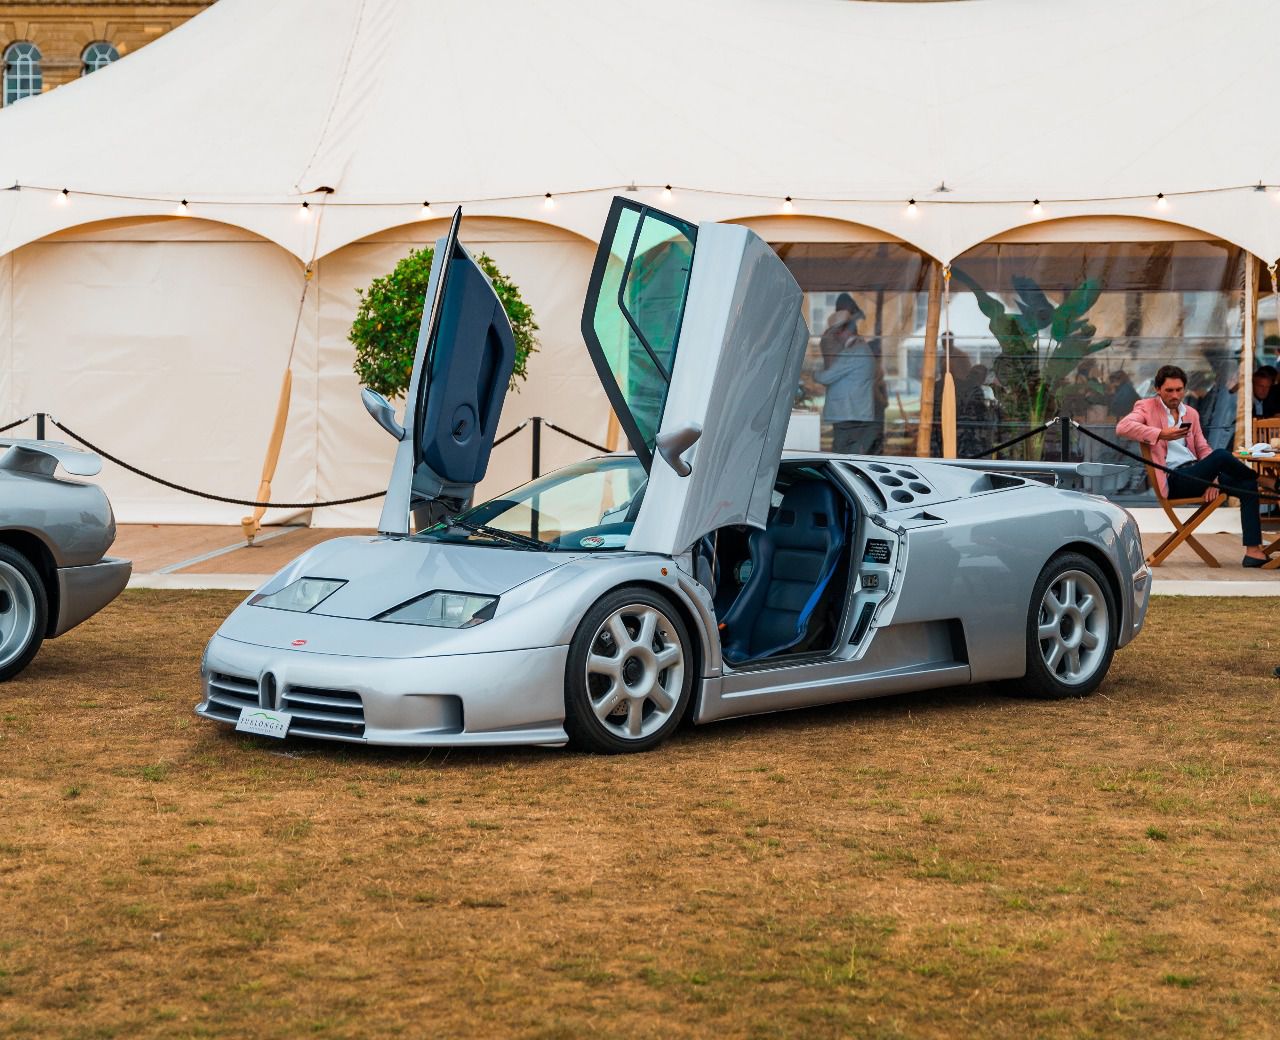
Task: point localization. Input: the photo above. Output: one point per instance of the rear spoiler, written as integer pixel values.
(1056, 470)
(44, 457)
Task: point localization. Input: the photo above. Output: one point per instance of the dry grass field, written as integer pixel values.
(941, 865)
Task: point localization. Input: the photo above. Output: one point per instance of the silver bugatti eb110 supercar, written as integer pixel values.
(703, 575)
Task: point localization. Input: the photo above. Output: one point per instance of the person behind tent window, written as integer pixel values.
(1266, 396)
(1123, 395)
(849, 372)
(1172, 429)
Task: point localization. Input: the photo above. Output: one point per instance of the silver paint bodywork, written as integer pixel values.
(950, 610)
(64, 527)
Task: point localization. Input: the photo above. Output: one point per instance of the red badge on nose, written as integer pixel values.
(299, 642)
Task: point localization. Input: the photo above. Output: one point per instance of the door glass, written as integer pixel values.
(638, 305)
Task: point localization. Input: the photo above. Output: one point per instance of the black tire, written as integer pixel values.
(1051, 634)
(24, 612)
(635, 704)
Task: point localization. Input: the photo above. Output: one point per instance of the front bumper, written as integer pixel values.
(490, 699)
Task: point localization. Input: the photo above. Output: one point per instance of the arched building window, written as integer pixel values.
(97, 56)
(22, 76)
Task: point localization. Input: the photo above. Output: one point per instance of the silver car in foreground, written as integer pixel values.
(705, 576)
(54, 533)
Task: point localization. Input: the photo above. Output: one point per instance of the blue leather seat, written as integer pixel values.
(793, 561)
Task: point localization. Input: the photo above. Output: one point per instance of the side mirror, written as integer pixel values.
(382, 411)
(673, 444)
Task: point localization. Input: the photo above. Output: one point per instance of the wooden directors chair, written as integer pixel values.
(1181, 528)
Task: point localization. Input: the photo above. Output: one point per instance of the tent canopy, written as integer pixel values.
(850, 108)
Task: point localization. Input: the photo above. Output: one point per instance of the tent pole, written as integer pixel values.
(929, 364)
(614, 433)
(250, 525)
(948, 381)
(1244, 385)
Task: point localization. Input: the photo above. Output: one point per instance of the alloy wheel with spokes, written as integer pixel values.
(630, 672)
(23, 612)
(1071, 629)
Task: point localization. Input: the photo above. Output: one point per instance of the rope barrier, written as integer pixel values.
(572, 436)
(205, 494)
(1226, 489)
(172, 485)
(1016, 440)
(511, 433)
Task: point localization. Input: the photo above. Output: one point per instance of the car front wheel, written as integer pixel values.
(630, 673)
(24, 612)
(1071, 630)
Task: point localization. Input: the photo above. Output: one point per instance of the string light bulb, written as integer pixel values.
(548, 202)
(911, 208)
(666, 193)
(787, 206)
(1036, 208)
(426, 208)
(63, 197)
(304, 212)
(1161, 201)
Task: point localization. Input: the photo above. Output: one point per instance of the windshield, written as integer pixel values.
(587, 507)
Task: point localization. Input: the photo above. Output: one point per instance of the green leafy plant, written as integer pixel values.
(387, 322)
(1041, 346)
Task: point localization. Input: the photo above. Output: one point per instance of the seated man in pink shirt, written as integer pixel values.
(1173, 431)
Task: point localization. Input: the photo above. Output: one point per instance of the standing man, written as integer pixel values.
(1173, 431)
(849, 371)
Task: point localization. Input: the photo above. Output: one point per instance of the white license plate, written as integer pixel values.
(264, 723)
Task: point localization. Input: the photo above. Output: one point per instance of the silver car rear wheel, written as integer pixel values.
(1074, 627)
(23, 612)
(630, 672)
(1072, 630)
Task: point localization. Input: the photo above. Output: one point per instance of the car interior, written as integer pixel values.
(780, 592)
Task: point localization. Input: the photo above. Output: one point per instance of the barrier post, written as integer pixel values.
(1064, 438)
(39, 426)
(537, 446)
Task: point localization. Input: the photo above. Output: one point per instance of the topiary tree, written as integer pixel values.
(387, 322)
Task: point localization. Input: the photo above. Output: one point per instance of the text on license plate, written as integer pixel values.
(263, 722)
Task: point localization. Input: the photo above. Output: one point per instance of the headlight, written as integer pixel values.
(443, 610)
(302, 595)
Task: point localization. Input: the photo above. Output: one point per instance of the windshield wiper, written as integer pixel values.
(510, 537)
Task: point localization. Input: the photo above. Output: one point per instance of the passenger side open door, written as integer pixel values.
(461, 370)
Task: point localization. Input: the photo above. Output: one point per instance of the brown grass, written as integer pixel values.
(927, 866)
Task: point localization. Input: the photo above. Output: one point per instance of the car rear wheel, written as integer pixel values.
(24, 612)
(1071, 630)
(630, 673)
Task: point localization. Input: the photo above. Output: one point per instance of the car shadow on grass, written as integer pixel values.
(932, 705)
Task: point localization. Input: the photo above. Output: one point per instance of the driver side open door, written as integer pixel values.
(697, 336)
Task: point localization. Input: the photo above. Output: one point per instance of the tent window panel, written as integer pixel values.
(98, 56)
(22, 73)
(887, 283)
(1079, 329)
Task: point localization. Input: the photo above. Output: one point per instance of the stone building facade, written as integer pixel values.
(46, 44)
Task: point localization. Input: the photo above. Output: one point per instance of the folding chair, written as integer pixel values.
(1181, 528)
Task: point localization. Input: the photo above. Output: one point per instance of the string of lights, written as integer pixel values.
(787, 204)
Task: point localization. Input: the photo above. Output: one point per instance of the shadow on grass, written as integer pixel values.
(935, 705)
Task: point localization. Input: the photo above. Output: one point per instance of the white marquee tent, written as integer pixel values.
(153, 248)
